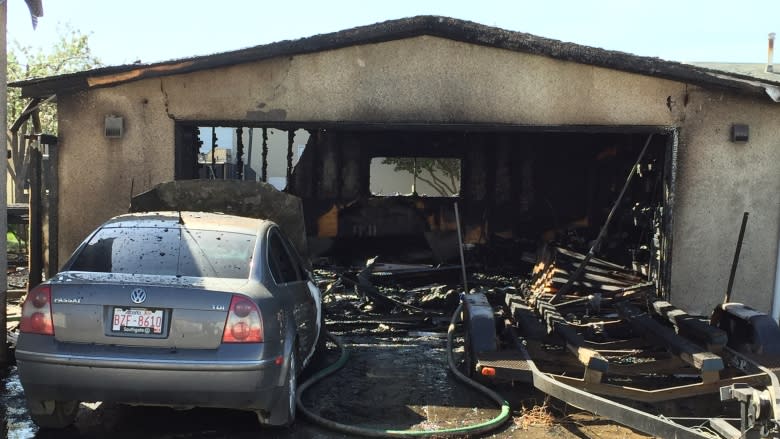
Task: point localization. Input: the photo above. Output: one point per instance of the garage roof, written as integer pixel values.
(450, 28)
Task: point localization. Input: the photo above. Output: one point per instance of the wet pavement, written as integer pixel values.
(16, 421)
(396, 383)
(396, 378)
(392, 382)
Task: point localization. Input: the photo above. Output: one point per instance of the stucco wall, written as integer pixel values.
(429, 79)
(97, 173)
(417, 80)
(717, 181)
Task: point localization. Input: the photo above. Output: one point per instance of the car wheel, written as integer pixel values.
(63, 415)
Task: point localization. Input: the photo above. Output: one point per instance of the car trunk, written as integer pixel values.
(138, 310)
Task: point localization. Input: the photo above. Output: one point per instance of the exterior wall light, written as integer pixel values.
(740, 133)
(114, 127)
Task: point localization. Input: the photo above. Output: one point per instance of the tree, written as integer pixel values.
(69, 54)
(442, 174)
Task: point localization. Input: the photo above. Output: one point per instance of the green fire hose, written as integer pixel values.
(482, 427)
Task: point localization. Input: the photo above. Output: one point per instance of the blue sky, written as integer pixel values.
(122, 32)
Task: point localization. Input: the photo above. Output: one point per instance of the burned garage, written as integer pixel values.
(541, 133)
(583, 189)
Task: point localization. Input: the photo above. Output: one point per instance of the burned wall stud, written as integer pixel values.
(740, 133)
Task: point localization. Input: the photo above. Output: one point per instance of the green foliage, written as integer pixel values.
(69, 54)
(15, 245)
(442, 174)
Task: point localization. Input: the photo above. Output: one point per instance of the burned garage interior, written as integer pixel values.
(535, 215)
(517, 190)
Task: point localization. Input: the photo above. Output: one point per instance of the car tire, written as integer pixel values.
(63, 415)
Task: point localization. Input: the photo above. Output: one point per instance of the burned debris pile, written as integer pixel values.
(600, 278)
(587, 331)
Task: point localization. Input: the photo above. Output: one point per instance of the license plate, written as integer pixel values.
(141, 321)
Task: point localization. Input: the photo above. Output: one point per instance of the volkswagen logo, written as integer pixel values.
(138, 295)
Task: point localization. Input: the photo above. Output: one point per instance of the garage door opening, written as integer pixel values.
(365, 193)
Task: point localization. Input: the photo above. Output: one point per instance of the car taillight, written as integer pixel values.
(244, 323)
(36, 312)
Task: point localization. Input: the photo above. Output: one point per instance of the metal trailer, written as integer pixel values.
(615, 330)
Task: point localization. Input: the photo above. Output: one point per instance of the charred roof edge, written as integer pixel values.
(444, 27)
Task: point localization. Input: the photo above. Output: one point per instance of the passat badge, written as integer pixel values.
(138, 295)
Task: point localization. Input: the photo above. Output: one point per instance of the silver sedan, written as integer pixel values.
(178, 309)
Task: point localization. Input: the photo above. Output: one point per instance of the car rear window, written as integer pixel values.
(167, 251)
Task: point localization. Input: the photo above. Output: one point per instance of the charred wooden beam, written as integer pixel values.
(644, 324)
(690, 327)
(593, 262)
(636, 289)
(240, 153)
(29, 109)
(213, 150)
(597, 277)
(290, 139)
(265, 156)
(560, 282)
(555, 272)
(595, 364)
(662, 394)
(608, 274)
(661, 363)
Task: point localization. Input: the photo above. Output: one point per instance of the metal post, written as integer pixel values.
(36, 221)
(734, 264)
(460, 248)
(3, 196)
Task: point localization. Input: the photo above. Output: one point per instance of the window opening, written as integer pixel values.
(245, 153)
(412, 176)
(216, 159)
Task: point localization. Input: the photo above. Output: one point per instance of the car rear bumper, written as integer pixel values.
(240, 384)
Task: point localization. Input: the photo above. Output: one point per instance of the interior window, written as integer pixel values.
(423, 176)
